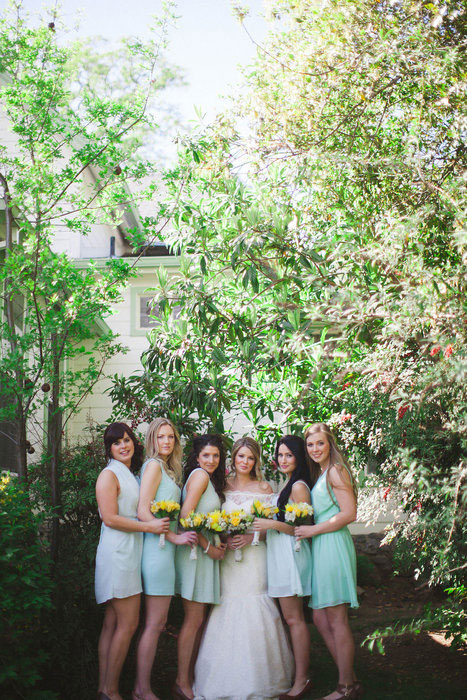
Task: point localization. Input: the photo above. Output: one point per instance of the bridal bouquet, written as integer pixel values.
(297, 513)
(262, 510)
(238, 523)
(164, 509)
(216, 522)
(193, 521)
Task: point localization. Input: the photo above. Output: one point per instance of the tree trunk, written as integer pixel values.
(19, 422)
(54, 445)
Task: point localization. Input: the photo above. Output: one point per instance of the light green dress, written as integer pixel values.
(158, 563)
(289, 572)
(333, 555)
(118, 558)
(198, 579)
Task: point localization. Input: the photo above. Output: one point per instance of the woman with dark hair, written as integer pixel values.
(289, 571)
(197, 580)
(118, 558)
(334, 586)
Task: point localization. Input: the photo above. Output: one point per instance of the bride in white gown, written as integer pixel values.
(244, 653)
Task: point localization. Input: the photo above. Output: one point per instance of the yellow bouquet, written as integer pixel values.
(262, 510)
(298, 514)
(238, 523)
(164, 509)
(216, 522)
(193, 521)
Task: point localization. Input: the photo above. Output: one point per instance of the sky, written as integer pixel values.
(208, 42)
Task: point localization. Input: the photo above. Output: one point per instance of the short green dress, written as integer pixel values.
(333, 555)
(198, 579)
(158, 563)
(289, 572)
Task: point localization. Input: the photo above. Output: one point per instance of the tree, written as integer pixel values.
(67, 168)
(324, 259)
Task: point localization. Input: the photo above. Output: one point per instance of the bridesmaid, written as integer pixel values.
(118, 558)
(289, 572)
(159, 476)
(334, 584)
(197, 580)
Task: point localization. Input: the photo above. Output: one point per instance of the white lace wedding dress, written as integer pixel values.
(244, 653)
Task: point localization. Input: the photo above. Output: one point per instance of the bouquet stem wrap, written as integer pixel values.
(255, 542)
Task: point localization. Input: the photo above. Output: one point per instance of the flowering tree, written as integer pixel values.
(65, 165)
(323, 263)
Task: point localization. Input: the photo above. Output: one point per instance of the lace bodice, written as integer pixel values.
(234, 500)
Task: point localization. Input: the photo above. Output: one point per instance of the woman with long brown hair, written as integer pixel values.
(334, 581)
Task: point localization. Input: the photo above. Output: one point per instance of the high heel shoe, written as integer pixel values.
(103, 696)
(302, 694)
(136, 696)
(348, 692)
(178, 694)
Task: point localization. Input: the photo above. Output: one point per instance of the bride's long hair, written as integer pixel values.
(255, 449)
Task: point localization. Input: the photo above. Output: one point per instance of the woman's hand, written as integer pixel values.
(303, 531)
(239, 541)
(159, 525)
(217, 552)
(263, 524)
(189, 537)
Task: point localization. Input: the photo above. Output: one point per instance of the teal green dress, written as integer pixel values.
(158, 563)
(333, 555)
(198, 579)
(289, 572)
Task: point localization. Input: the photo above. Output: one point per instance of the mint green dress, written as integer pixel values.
(333, 555)
(158, 563)
(198, 579)
(289, 572)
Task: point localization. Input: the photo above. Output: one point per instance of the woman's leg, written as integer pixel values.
(192, 622)
(344, 644)
(105, 639)
(126, 611)
(292, 610)
(157, 608)
(321, 622)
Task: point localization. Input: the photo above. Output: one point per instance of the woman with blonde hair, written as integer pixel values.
(257, 661)
(334, 582)
(160, 476)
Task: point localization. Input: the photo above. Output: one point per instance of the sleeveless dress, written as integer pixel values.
(158, 563)
(333, 555)
(289, 572)
(244, 653)
(198, 579)
(118, 558)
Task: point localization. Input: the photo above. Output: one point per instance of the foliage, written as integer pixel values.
(323, 258)
(25, 593)
(65, 169)
(450, 618)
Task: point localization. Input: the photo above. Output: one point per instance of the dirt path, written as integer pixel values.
(423, 667)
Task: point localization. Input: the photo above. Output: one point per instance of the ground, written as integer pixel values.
(413, 668)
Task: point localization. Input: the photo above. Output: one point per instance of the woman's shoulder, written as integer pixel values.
(153, 464)
(197, 477)
(339, 476)
(300, 488)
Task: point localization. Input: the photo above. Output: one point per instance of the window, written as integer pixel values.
(147, 311)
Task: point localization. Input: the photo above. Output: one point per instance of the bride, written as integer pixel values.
(244, 653)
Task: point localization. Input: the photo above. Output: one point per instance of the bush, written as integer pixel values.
(25, 595)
